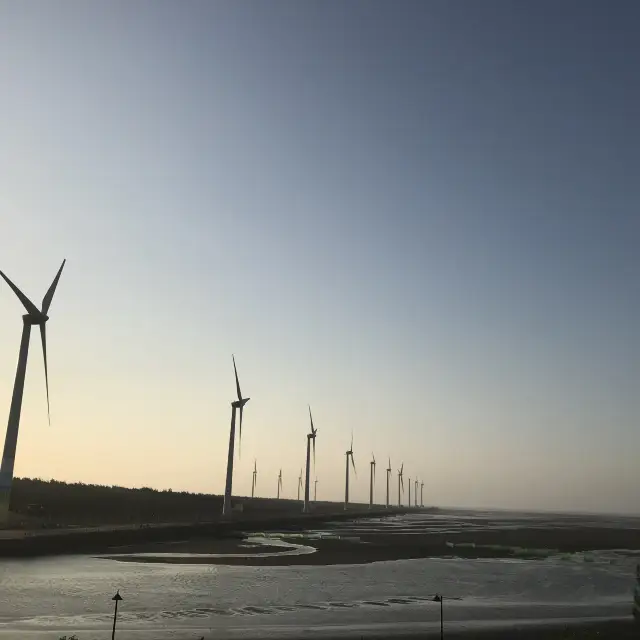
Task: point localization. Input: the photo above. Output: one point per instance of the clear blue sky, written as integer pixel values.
(419, 217)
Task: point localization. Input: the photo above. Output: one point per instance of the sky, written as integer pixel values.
(419, 217)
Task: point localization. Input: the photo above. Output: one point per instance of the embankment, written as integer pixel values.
(105, 539)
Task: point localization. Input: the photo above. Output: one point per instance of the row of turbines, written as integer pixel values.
(237, 406)
(39, 317)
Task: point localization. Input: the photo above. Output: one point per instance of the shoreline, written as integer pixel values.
(99, 540)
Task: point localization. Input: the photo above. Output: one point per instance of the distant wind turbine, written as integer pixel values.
(254, 480)
(388, 478)
(236, 405)
(279, 483)
(311, 439)
(299, 483)
(409, 485)
(421, 493)
(372, 479)
(39, 317)
(349, 454)
(315, 490)
(415, 493)
(400, 483)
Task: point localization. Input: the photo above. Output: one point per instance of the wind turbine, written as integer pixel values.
(415, 494)
(236, 405)
(409, 503)
(388, 478)
(372, 480)
(400, 483)
(299, 483)
(311, 438)
(349, 454)
(254, 480)
(279, 483)
(421, 494)
(315, 490)
(34, 316)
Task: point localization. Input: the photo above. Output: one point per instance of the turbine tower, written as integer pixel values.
(388, 478)
(236, 405)
(299, 483)
(254, 479)
(311, 438)
(315, 490)
(32, 317)
(421, 494)
(400, 483)
(415, 494)
(279, 484)
(372, 480)
(348, 454)
(409, 485)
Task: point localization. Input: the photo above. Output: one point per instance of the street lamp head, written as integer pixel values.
(117, 597)
(437, 598)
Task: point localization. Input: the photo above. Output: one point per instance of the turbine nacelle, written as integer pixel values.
(238, 404)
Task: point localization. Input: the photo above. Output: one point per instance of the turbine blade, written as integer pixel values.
(353, 464)
(237, 382)
(313, 431)
(43, 335)
(351, 447)
(46, 301)
(26, 303)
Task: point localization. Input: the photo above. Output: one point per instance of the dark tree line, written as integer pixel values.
(53, 502)
(79, 503)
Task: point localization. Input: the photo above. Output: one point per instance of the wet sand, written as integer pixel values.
(361, 547)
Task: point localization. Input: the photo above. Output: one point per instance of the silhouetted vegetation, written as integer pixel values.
(59, 502)
(52, 502)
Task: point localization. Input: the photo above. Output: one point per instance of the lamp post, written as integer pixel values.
(440, 598)
(116, 599)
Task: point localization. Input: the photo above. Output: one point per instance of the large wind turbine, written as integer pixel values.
(372, 480)
(34, 316)
(279, 483)
(254, 478)
(311, 438)
(348, 454)
(421, 493)
(236, 405)
(388, 478)
(400, 483)
(415, 494)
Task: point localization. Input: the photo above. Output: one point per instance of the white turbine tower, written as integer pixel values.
(279, 483)
(400, 483)
(348, 454)
(315, 490)
(236, 405)
(311, 439)
(34, 316)
(388, 478)
(421, 494)
(415, 493)
(299, 483)
(409, 485)
(372, 479)
(254, 479)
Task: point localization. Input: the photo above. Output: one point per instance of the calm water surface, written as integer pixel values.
(45, 598)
